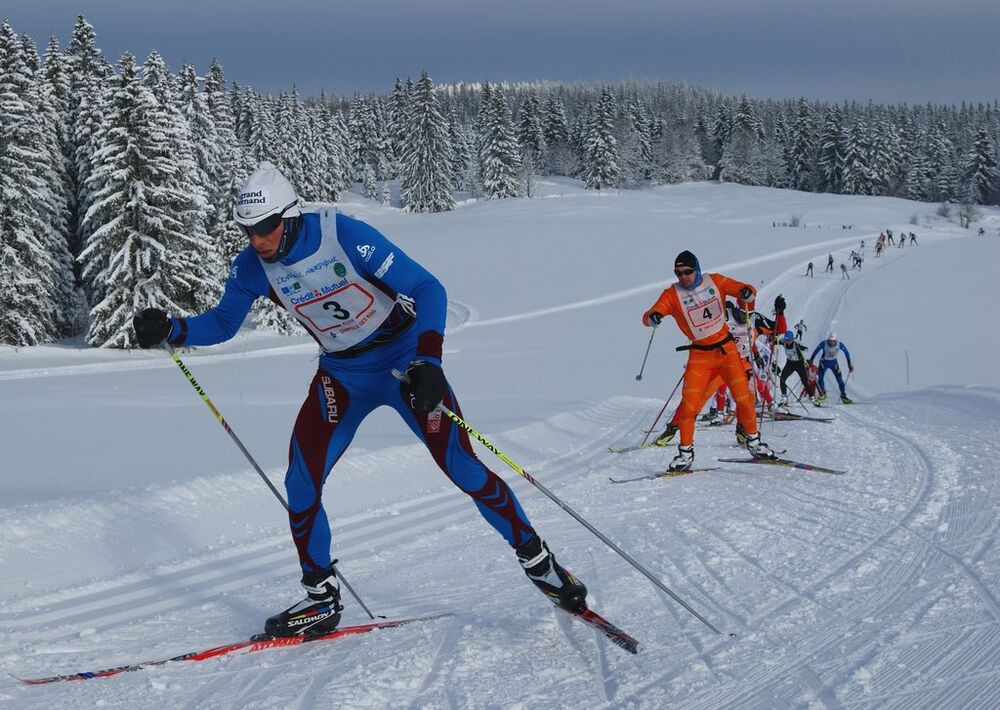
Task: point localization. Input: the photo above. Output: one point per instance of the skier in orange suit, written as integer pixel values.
(697, 304)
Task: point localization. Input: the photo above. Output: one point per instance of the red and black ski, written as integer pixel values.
(612, 632)
(252, 645)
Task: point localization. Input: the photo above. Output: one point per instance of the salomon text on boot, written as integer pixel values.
(318, 613)
(553, 580)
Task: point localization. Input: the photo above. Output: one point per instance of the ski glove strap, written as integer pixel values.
(428, 385)
(151, 327)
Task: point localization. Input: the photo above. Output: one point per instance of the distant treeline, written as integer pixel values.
(117, 180)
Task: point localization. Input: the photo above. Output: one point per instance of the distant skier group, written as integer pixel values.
(732, 354)
(885, 240)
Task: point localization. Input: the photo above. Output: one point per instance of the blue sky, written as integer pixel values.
(886, 50)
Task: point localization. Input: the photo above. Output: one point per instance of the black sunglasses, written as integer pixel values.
(683, 272)
(265, 226)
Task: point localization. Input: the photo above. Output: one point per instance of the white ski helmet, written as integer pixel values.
(832, 337)
(266, 193)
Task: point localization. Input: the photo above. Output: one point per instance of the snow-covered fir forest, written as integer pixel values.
(117, 178)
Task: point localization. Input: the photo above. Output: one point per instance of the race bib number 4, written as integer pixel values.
(705, 314)
(342, 310)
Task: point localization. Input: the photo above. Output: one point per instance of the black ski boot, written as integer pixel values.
(667, 436)
(318, 613)
(555, 581)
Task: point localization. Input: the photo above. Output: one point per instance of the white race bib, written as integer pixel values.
(703, 308)
(339, 306)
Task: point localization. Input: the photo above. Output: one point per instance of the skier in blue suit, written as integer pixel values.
(828, 361)
(371, 308)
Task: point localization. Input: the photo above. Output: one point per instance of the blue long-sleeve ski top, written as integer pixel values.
(830, 353)
(367, 250)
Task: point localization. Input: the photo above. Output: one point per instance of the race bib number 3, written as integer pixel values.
(342, 310)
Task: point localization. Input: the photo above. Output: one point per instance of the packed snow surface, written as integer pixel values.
(132, 529)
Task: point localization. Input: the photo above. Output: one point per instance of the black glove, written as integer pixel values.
(774, 368)
(151, 327)
(654, 318)
(758, 360)
(779, 304)
(746, 293)
(427, 385)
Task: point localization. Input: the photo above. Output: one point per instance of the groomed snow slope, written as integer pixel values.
(132, 529)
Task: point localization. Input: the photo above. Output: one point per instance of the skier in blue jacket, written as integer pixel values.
(371, 308)
(828, 361)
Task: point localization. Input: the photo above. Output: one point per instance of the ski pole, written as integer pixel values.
(225, 425)
(652, 426)
(648, 346)
(402, 377)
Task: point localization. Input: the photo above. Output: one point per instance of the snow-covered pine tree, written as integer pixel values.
(198, 149)
(777, 155)
(21, 323)
(560, 155)
(128, 254)
(832, 148)
(334, 137)
(260, 112)
(89, 74)
(857, 152)
(529, 132)
(636, 146)
(398, 122)
(919, 174)
(461, 151)
(802, 151)
(313, 154)
(980, 176)
(500, 157)
(178, 189)
(26, 278)
(289, 129)
(364, 141)
(722, 129)
(743, 156)
(678, 154)
(602, 167)
(885, 157)
(425, 173)
(232, 168)
(941, 163)
(979, 169)
(53, 188)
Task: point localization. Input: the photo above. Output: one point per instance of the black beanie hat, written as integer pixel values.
(686, 258)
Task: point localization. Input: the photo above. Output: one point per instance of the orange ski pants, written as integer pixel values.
(704, 366)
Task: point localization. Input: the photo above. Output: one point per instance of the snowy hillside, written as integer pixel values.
(132, 529)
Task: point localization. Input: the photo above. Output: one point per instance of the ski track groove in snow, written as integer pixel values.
(898, 587)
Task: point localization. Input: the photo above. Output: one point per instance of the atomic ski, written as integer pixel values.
(252, 645)
(661, 474)
(615, 635)
(787, 462)
(789, 417)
